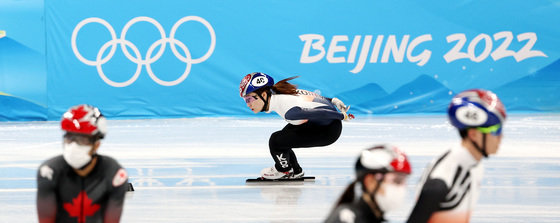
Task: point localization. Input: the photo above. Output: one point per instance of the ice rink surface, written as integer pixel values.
(194, 170)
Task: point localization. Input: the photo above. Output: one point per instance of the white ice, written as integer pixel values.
(194, 170)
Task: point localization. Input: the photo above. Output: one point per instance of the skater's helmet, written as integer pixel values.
(477, 108)
(382, 159)
(254, 81)
(84, 119)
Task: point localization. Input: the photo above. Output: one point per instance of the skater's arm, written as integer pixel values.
(318, 113)
(433, 192)
(116, 197)
(46, 195)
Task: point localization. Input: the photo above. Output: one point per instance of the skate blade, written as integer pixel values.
(264, 180)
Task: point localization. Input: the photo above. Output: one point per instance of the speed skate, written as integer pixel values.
(264, 180)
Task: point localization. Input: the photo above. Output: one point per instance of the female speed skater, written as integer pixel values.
(313, 120)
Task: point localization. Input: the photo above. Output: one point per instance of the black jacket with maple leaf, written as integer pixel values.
(64, 196)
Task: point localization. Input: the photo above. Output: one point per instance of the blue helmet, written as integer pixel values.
(476, 108)
(254, 81)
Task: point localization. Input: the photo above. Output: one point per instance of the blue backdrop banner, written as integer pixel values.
(23, 73)
(141, 59)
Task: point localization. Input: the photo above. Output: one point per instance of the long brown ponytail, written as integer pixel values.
(283, 87)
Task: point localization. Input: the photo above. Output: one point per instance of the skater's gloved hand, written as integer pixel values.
(340, 105)
(348, 117)
(343, 109)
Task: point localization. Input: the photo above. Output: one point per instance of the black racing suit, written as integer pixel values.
(313, 121)
(64, 196)
(356, 212)
(449, 188)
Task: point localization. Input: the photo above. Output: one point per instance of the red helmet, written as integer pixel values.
(84, 119)
(382, 159)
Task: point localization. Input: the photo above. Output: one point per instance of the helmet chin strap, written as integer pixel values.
(483, 149)
(265, 106)
(373, 204)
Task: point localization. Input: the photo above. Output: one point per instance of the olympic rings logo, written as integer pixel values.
(149, 58)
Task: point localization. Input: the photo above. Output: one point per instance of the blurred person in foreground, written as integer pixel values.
(381, 172)
(80, 185)
(451, 185)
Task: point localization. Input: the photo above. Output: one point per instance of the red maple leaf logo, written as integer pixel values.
(81, 207)
(79, 120)
(79, 113)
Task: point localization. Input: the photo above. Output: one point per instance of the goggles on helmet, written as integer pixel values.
(495, 130)
(396, 177)
(250, 98)
(80, 139)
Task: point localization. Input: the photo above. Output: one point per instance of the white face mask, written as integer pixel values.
(392, 198)
(76, 156)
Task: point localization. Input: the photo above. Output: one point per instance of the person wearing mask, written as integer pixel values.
(381, 174)
(81, 185)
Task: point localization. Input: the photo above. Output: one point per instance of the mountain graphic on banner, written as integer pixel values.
(422, 95)
(14, 108)
(544, 93)
(21, 72)
(365, 93)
